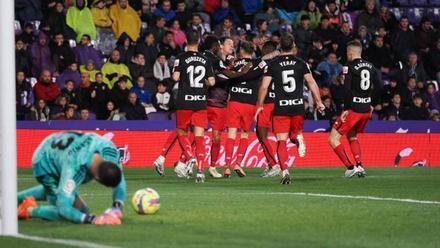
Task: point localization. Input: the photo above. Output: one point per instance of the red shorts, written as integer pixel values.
(240, 115)
(197, 118)
(265, 117)
(354, 122)
(217, 117)
(288, 124)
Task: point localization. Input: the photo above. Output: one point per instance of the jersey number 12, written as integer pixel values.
(196, 74)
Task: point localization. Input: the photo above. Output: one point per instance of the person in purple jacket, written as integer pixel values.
(85, 51)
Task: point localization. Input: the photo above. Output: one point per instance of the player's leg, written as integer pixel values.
(159, 162)
(281, 127)
(183, 121)
(229, 149)
(200, 123)
(296, 135)
(242, 147)
(215, 151)
(264, 122)
(37, 192)
(338, 148)
(355, 145)
(81, 205)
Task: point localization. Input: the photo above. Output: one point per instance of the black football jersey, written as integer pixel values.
(270, 96)
(217, 94)
(360, 81)
(287, 74)
(194, 69)
(244, 89)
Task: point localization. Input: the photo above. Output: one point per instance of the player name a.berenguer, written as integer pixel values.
(196, 59)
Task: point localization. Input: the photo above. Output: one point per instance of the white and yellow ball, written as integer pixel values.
(146, 201)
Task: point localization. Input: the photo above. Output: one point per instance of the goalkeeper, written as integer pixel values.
(61, 163)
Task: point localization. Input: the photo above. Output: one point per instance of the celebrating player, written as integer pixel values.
(288, 74)
(360, 81)
(61, 163)
(194, 73)
(160, 161)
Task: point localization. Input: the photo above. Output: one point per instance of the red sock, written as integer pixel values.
(182, 158)
(200, 152)
(282, 154)
(242, 147)
(268, 152)
(185, 145)
(229, 150)
(356, 150)
(172, 137)
(215, 151)
(340, 151)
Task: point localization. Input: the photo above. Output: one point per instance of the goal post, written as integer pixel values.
(8, 149)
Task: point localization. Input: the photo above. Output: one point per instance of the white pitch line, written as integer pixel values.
(68, 242)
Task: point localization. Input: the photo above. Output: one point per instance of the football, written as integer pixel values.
(146, 201)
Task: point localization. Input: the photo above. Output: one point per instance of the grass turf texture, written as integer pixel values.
(242, 212)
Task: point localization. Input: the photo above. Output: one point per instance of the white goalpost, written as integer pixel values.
(8, 149)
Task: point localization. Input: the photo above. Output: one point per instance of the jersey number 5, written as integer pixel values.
(289, 83)
(196, 74)
(365, 79)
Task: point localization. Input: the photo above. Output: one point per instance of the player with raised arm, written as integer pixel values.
(61, 163)
(360, 80)
(194, 73)
(288, 74)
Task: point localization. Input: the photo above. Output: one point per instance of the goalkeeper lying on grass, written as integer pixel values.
(61, 163)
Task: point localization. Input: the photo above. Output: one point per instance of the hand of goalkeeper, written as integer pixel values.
(107, 219)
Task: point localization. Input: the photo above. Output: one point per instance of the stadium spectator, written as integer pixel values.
(45, 89)
(138, 68)
(57, 21)
(178, 35)
(183, 15)
(330, 67)
(41, 55)
(71, 73)
(324, 32)
(125, 48)
(148, 49)
(308, 111)
(417, 111)
(432, 97)
(312, 12)
(337, 92)
(125, 20)
(99, 97)
(165, 11)
(40, 111)
(27, 11)
(408, 92)
(133, 110)
(158, 28)
(344, 36)
(303, 37)
(224, 12)
(198, 26)
(85, 91)
(112, 113)
(388, 91)
(79, 18)
(145, 13)
(364, 37)
(162, 100)
(69, 114)
(317, 53)
(142, 92)
(119, 93)
(211, 6)
(332, 12)
(24, 96)
(161, 70)
(62, 54)
(413, 68)
(84, 115)
(227, 28)
(433, 61)
(23, 59)
(270, 15)
(395, 108)
(379, 55)
(57, 111)
(168, 47)
(85, 51)
(403, 39)
(250, 8)
(329, 110)
(369, 17)
(71, 94)
(103, 23)
(27, 35)
(426, 35)
(387, 18)
(89, 68)
(113, 69)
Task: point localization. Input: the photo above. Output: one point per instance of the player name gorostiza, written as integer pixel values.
(195, 59)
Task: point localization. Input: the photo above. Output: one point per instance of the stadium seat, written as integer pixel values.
(420, 3)
(397, 12)
(435, 3)
(72, 43)
(17, 27)
(404, 3)
(158, 116)
(433, 14)
(415, 15)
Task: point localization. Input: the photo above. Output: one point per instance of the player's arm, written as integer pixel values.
(176, 71)
(315, 91)
(119, 194)
(262, 94)
(231, 74)
(252, 74)
(347, 86)
(210, 79)
(376, 96)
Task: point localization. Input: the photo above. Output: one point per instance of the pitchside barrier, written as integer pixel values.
(403, 143)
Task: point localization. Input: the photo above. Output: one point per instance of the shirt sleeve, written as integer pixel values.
(110, 153)
(267, 71)
(209, 69)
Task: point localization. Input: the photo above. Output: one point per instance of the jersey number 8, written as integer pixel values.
(365, 79)
(289, 83)
(196, 74)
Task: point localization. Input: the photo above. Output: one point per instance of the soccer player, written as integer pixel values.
(194, 73)
(61, 163)
(241, 106)
(264, 120)
(160, 161)
(288, 74)
(360, 81)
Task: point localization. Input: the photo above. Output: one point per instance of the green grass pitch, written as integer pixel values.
(259, 212)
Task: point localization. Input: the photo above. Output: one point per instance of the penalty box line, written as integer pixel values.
(67, 242)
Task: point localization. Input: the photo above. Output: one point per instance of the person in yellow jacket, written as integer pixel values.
(125, 19)
(89, 68)
(79, 18)
(113, 69)
(103, 23)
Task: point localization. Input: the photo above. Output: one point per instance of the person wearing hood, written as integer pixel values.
(45, 89)
(89, 68)
(41, 55)
(23, 60)
(125, 48)
(103, 23)
(62, 54)
(125, 20)
(313, 12)
(113, 69)
(71, 73)
(57, 20)
(27, 35)
(85, 52)
(79, 18)
(24, 96)
(369, 17)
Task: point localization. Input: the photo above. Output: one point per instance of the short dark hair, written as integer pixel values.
(109, 174)
(211, 41)
(246, 47)
(287, 42)
(268, 47)
(224, 38)
(87, 36)
(192, 38)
